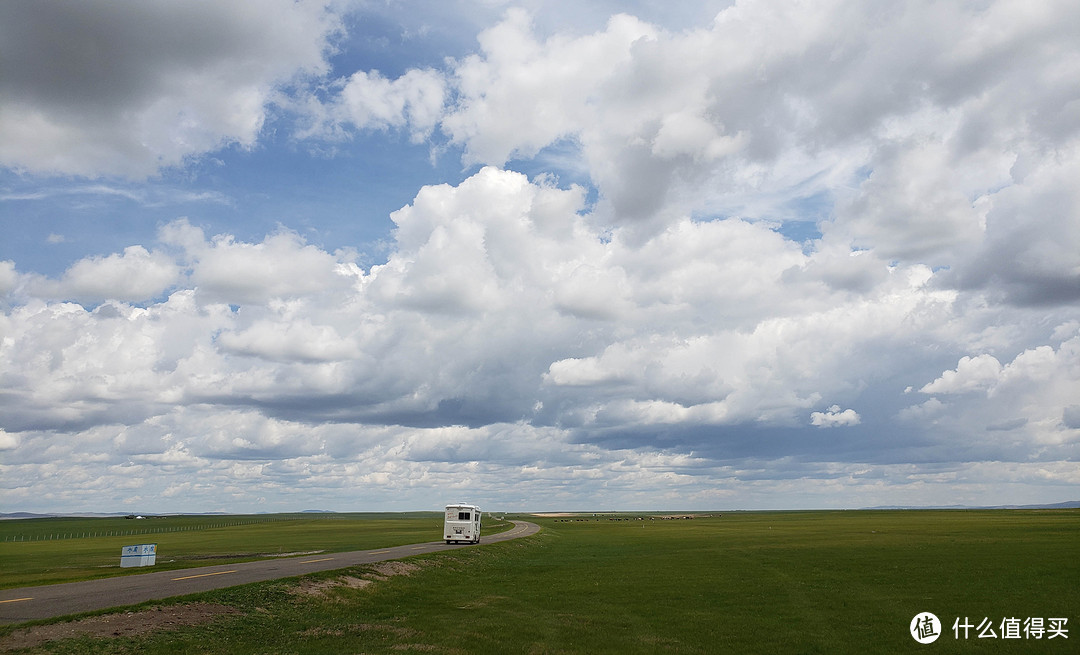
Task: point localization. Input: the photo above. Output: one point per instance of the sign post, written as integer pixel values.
(141, 555)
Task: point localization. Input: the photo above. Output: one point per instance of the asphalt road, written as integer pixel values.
(30, 603)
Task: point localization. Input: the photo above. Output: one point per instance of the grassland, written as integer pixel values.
(54, 550)
(798, 582)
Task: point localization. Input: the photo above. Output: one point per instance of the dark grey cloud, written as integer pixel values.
(125, 88)
(1071, 417)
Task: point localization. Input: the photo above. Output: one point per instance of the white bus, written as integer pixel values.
(462, 523)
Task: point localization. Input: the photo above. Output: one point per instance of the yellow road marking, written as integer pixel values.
(312, 561)
(418, 547)
(380, 552)
(15, 600)
(203, 575)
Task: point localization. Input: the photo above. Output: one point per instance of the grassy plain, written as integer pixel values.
(783, 582)
(54, 550)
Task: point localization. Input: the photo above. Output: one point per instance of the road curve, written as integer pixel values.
(30, 603)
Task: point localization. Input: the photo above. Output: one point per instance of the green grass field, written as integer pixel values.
(54, 550)
(783, 582)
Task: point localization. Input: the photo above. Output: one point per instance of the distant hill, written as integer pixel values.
(95, 515)
(1071, 504)
(79, 515)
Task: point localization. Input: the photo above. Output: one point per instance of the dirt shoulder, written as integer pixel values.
(171, 617)
(127, 624)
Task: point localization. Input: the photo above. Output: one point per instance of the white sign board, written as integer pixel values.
(141, 555)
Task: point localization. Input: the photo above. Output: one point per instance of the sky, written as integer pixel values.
(378, 256)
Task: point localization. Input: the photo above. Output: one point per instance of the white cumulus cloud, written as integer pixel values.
(834, 417)
(134, 275)
(787, 207)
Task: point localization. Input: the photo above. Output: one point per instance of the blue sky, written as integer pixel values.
(353, 255)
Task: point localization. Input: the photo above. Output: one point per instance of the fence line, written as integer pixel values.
(157, 530)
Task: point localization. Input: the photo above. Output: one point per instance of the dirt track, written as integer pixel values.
(30, 603)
